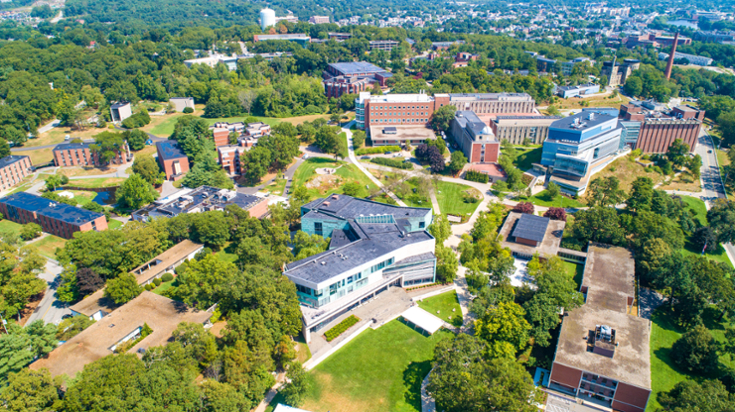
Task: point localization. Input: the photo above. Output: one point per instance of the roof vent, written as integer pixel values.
(324, 263)
(335, 197)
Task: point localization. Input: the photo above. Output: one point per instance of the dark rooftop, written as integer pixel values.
(118, 105)
(348, 68)
(71, 146)
(170, 150)
(9, 160)
(531, 227)
(45, 207)
(346, 207)
(203, 198)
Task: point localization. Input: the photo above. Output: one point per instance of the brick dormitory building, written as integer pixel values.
(58, 219)
(81, 154)
(172, 159)
(13, 169)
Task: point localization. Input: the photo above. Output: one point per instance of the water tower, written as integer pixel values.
(267, 18)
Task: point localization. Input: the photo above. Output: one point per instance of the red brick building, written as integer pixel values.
(653, 132)
(81, 154)
(172, 159)
(229, 158)
(58, 219)
(476, 139)
(221, 137)
(13, 169)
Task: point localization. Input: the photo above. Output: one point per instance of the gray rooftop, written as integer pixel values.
(609, 276)
(531, 227)
(373, 240)
(9, 160)
(71, 146)
(469, 120)
(348, 68)
(346, 207)
(118, 105)
(170, 149)
(490, 96)
(578, 87)
(45, 207)
(203, 198)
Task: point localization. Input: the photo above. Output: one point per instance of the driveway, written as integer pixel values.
(648, 301)
(50, 310)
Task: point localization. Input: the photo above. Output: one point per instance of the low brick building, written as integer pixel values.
(13, 169)
(58, 219)
(229, 158)
(653, 131)
(476, 139)
(81, 154)
(172, 159)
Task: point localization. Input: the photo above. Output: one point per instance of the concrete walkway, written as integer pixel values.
(427, 402)
(353, 159)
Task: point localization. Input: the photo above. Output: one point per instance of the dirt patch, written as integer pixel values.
(324, 182)
(27, 311)
(333, 399)
(218, 328)
(88, 171)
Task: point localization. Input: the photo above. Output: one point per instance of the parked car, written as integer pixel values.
(365, 158)
(388, 153)
(149, 142)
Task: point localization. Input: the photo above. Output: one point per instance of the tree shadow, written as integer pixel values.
(413, 377)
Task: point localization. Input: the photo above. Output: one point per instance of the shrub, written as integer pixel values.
(167, 277)
(400, 164)
(556, 213)
(188, 110)
(341, 327)
(157, 282)
(30, 231)
(475, 176)
(377, 150)
(524, 207)
(148, 287)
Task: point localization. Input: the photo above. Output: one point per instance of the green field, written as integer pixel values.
(276, 187)
(8, 226)
(48, 245)
(543, 199)
(444, 303)
(700, 214)
(114, 224)
(527, 157)
(664, 373)
(164, 286)
(332, 184)
(97, 182)
(575, 270)
(380, 370)
(451, 200)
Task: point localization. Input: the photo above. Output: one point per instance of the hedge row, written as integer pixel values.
(340, 328)
(474, 176)
(386, 161)
(377, 150)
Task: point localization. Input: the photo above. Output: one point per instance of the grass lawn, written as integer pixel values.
(664, 373)
(39, 156)
(700, 213)
(330, 183)
(543, 199)
(83, 196)
(627, 170)
(225, 255)
(450, 197)
(444, 303)
(575, 270)
(97, 182)
(592, 101)
(48, 245)
(8, 226)
(114, 224)
(165, 127)
(277, 187)
(163, 287)
(527, 157)
(380, 370)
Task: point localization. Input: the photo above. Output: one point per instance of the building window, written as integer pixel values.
(422, 225)
(318, 228)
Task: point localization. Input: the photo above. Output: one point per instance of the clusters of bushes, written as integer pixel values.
(340, 328)
(475, 176)
(377, 150)
(400, 164)
(139, 119)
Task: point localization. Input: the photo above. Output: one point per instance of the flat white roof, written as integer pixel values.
(402, 98)
(423, 319)
(285, 408)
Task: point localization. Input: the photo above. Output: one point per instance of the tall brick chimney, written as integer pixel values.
(670, 64)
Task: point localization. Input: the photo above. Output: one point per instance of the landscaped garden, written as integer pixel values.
(379, 370)
(346, 177)
(543, 199)
(527, 156)
(454, 199)
(447, 306)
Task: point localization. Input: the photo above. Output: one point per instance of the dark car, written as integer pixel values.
(709, 151)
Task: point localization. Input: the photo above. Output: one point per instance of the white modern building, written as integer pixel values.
(373, 246)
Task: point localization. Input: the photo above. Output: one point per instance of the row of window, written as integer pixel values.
(399, 120)
(401, 114)
(397, 108)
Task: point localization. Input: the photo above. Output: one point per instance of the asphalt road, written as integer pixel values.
(50, 309)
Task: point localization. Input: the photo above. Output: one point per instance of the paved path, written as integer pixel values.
(427, 402)
(50, 310)
(353, 160)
